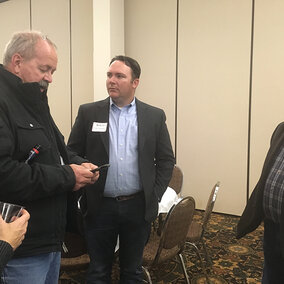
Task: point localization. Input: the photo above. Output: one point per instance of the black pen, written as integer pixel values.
(33, 153)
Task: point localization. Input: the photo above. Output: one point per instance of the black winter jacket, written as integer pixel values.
(42, 185)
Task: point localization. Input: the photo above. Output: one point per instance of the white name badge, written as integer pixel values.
(99, 127)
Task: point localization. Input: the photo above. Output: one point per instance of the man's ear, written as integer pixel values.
(16, 62)
(135, 83)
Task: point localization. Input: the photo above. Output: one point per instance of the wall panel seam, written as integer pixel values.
(71, 63)
(176, 79)
(250, 99)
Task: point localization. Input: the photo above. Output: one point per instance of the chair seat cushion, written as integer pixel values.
(74, 263)
(194, 232)
(151, 249)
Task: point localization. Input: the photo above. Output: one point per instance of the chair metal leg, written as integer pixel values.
(201, 262)
(207, 257)
(183, 268)
(147, 274)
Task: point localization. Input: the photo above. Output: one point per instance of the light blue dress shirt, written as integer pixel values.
(123, 174)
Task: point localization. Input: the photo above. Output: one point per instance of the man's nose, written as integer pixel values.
(111, 79)
(48, 77)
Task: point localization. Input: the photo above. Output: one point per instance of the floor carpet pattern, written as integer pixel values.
(233, 261)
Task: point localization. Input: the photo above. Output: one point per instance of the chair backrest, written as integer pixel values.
(177, 224)
(210, 204)
(176, 179)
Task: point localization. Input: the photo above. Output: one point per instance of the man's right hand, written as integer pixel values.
(83, 176)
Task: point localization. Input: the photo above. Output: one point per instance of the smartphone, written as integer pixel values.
(100, 168)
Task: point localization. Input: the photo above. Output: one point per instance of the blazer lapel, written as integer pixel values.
(142, 122)
(103, 116)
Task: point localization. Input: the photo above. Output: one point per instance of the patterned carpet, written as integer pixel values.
(234, 261)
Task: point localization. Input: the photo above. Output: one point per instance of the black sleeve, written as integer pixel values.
(6, 253)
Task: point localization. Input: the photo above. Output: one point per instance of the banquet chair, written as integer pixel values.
(176, 184)
(170, 244)
(195, 235)
(176, 179)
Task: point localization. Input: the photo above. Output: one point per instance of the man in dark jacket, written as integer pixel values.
(36, 169)
(266, 204)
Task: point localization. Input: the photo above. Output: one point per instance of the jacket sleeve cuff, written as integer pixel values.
(71, 181)
(6, 252)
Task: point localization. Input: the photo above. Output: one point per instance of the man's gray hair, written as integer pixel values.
(23, 43)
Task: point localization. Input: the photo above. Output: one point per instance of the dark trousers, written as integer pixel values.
(273, 271)
(126, 220)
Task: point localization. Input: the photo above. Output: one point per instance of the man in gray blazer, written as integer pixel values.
(133, 138)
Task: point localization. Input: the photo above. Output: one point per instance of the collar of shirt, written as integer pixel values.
(128, 108)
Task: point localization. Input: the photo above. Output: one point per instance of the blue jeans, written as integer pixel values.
(126, 220)
(273, 271)
(38, 269)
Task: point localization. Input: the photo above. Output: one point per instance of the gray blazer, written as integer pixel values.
(156, 158)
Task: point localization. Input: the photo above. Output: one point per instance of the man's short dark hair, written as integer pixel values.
(130, 62)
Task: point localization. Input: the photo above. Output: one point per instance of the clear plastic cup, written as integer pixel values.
(10, 211)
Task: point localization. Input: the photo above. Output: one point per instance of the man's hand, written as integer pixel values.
(83, 175)
(14, 232)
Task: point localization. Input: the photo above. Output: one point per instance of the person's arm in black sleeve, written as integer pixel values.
(6, 253)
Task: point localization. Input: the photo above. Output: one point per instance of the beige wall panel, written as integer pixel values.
(213, 97)
(150, 37)
(14, 16)
(116, 15)
(268, 80)
(82, 53)
(53, 18)
(108, 19)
